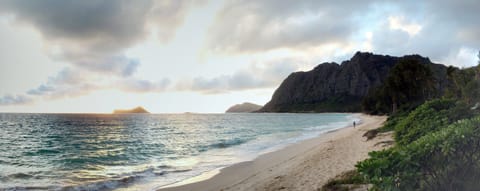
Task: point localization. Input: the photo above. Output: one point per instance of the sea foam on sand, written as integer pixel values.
(306, 165)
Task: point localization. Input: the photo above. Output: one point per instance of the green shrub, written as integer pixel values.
(385, 168)
(393, 121)
(448, 159)
(429, 117)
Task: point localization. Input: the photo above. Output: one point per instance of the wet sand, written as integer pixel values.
(306, 165)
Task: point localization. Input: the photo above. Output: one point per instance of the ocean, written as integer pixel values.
(141, 151)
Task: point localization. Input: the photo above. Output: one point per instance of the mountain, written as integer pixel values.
(243, 108)
(134, 110)
(332, 87)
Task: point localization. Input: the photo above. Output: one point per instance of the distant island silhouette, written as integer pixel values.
(244, 108)
(138, 109)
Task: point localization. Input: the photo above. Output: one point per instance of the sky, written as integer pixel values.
(174, 56)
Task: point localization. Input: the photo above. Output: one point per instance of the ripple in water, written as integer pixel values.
(109, 152)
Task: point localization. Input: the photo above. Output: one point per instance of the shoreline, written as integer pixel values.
(306, 165)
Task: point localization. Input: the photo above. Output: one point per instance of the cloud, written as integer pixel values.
(437, 29)
(15, 100)
(400, 24)
(95, 22)
(92, 37)
(463, 58)
(166, 15)
(67, 83)
(442, 30)
(73, 82)
(41, 90)
(251, 26)
(82, 29)
(94, 34)
(142, 86)
(119, 65)
(266, 75)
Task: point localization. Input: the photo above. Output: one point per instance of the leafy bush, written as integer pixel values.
(391, 170)
(393, 121)
(448, 159)
(436, 149)
(429, 117)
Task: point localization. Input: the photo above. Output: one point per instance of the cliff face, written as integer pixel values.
(243, 108)
(331, 87)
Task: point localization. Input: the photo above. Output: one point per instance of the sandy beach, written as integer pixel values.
(306, 165)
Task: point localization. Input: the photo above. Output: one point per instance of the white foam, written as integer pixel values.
(211, 161)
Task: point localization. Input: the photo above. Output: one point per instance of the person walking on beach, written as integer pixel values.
(354, 124)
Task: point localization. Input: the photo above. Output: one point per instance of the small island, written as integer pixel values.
(138, 109)
(244, 108)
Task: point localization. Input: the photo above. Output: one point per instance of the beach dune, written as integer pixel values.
(306, 165)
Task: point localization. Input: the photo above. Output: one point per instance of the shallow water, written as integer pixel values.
(140, 151)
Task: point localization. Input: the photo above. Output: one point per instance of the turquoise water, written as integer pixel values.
(140, 151)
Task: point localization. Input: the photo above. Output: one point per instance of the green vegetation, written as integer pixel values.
(392, 121)
(448, 159)
(438, 148)
(344, 182)
(465, 84)
(408, 85)
(429, 117)
(437, 141)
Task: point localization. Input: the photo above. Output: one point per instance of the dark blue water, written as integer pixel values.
(109, 152)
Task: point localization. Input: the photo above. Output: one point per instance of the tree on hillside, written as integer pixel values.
(478, 67)
(471, 91)
(453, 90)
(465, 84)
(408, 84)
